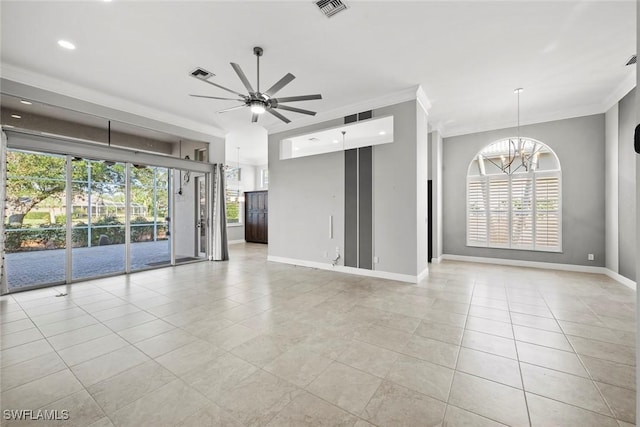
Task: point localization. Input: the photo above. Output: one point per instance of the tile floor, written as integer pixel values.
(255, 343)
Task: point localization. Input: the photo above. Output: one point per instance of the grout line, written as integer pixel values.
(455, 366)
(584, 366)
(524, 393)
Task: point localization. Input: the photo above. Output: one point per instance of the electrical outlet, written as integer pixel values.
(591, 257)
(376, 260)
(337, 250)
(325, 254)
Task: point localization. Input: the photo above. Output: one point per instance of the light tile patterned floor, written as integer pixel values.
(255, 343)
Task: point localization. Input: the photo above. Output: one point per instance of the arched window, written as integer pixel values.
(514, 198)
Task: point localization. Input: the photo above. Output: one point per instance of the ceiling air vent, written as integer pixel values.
(201, 73)
(314, 139)
(632, 60)
(330, 7)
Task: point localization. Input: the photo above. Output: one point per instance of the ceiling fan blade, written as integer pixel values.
(298, 98)
(254, 117)
(280, 84)
(243, 77)
(295, 110)
(221, 87)
(217, 97)
(231, 109)
(278, 115)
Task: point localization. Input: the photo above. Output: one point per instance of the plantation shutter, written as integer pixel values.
(477, 212)
(522, 212)
(548, 226)
(499, 212)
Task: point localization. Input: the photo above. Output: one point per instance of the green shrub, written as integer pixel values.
(26, 238)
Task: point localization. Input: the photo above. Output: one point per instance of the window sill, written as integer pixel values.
(235, 225)
(553, 251)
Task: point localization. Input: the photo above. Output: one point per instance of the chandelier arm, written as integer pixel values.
(494, 163)
(516, 169)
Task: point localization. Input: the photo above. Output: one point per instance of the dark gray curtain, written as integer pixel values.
(220, 248)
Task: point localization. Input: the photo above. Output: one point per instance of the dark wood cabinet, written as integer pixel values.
(256, 216)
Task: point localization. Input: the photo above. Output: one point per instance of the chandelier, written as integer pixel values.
(515, 154)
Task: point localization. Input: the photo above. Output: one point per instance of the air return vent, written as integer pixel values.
(201, 73)
(331, 7)
(632, 60)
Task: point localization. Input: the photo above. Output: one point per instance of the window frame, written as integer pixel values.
(485, 192)
(233, 183)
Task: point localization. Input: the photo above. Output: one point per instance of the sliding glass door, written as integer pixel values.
(150, 243)
(72, 218)
(35, 232)
(98, 212)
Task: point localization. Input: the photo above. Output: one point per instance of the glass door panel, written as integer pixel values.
(150, 243)
(35, 233)
(98, 218)
(201, 212)
(190, 216)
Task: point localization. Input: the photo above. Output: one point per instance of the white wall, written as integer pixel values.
(422, 176)
(436, 177)
(627, 187)
(259, 185)
(611, 189)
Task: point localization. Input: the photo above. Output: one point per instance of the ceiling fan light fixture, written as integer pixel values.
(257, 107)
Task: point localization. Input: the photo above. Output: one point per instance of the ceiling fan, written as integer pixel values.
(258, 101)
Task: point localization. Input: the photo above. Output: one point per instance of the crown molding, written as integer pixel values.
(423, 100)
(51, 84)
(411, 93)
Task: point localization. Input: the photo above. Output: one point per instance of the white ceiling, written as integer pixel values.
(468, 56)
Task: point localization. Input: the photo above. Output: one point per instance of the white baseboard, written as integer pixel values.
(424, 274)
(415, 279)
(544, 265)
(521, 263)
(350, 270)
(235, 242)
(620, 278)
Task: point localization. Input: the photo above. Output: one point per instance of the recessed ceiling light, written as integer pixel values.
(15, 116)
(107, 1)
(66, 44)
(335, 141)
(296, 148)
(25, 102)
(382, 132)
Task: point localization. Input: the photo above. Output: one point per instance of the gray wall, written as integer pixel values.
(394, 193)
(579, 144)
(304, 191)
(627, 186)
